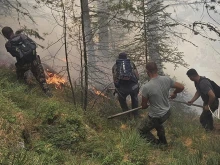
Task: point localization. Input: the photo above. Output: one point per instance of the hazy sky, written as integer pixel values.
(206, 57)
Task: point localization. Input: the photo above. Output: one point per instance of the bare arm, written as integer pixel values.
(178, 88)
(136, 73)
(211, 97)
(144, 102)
(195, 97)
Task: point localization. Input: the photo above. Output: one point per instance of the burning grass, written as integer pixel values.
(55, 79)
(99, 93)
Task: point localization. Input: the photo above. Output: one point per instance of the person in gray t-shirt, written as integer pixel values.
(156, 94)
(205, 90)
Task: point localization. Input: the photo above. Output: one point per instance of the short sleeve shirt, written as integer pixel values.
(157, 91)
(203, 87)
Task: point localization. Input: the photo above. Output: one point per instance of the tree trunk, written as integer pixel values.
(88, 38)
(145, 33)
(66, 52)
(153, 36)
(83, 15)
(103, 32)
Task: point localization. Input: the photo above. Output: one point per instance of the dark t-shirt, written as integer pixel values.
(203, 87)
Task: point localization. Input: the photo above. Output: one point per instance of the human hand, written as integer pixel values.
(173, 96)
(190, 102)
(145, 106)
(206, 108)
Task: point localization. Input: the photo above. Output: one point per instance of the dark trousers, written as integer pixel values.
(37, 69)
(206, 118)
(131, 89)
(150, 123)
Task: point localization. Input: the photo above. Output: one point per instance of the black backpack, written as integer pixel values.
(215, 87)
(125, 70)
(25, 47)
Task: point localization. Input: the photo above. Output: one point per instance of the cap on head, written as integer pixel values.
(7, 32)
(122, 55)
(151, 67)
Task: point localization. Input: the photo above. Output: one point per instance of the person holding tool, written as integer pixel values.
(209, 92)
(156, 94)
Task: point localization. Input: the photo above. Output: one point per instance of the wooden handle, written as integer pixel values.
(187, 103)
(122, 113)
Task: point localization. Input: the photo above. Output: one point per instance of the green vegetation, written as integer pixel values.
(38, 130)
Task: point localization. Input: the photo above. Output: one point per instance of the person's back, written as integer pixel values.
(125, 78)
(157, 90)
(24, 50)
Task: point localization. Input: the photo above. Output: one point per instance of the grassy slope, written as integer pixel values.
(37, 130)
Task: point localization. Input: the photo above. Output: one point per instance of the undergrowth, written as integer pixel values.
(35, 129)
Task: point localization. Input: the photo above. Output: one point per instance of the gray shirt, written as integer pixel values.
(157, 91)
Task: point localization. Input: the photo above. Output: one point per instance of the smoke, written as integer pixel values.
(53, 53)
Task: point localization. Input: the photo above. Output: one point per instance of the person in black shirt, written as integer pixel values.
(205, 90)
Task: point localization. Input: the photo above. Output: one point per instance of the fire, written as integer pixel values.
(55, 79)
(99, 93)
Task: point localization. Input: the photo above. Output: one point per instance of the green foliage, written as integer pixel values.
(213, 159)
(65, 135)
(52, 125)
(113, 158)
(24, 157)
(194, 159)
(61, 133)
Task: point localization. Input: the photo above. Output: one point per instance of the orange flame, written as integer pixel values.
(99, 93)
(55, 79)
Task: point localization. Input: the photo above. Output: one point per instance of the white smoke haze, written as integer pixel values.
(45, 24)
(206, 57)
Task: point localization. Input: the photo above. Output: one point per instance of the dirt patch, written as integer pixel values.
(188, 142)
(124, 126)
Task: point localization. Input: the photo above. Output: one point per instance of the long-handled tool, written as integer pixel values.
(122, 113)
(187, 103)
(135, 109)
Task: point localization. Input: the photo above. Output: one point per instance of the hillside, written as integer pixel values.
(35, 129)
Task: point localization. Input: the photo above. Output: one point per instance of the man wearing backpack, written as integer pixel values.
(209, 92)
(24, 50)
(125, 77)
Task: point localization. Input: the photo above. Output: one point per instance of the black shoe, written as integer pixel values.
(155, 142)
(163, 140)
